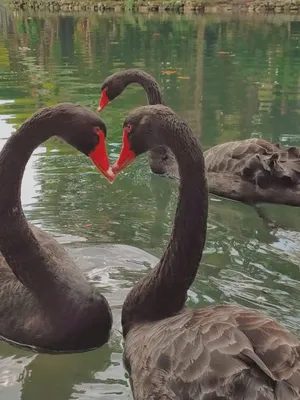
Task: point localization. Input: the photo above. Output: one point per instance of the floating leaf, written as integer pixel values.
(223, 53)
(183, 77)
(87, 225)
(156, 34)
(169, 72)
(114, 42)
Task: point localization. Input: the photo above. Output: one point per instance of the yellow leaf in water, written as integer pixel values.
(223, 53)
(169, 72)
(183, 77)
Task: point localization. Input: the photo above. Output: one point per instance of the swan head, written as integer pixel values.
(82, 129)
(111, 88)
(142, 130)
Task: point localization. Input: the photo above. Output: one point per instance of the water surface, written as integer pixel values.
(231, 78)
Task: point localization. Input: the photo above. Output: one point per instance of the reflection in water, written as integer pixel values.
(230, 78)
(64, 377)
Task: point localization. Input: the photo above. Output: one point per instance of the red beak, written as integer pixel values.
(126, 156)
(100, 158)
(104, 100)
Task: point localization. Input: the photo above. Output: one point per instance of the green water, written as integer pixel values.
(253, 91)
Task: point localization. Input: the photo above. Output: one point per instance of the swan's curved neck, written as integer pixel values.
(31, 263)
(13, 159)
(149, 84)
(163, 292)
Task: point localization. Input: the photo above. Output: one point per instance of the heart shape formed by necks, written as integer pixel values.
(100, 158)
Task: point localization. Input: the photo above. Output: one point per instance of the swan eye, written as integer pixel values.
(129, 128)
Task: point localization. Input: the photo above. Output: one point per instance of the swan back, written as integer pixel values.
(255, 160)
(222, 352)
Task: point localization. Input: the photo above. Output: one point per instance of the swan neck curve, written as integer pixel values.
(148, 83)
(13, 159)
(37, 269)
(163, 291)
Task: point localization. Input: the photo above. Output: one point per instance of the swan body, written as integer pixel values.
(45, 301)
(225, 352)
(252, 170)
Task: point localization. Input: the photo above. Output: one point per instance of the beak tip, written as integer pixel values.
(110, 175)
(99, 109)
(115, 168)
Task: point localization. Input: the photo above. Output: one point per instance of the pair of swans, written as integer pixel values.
(171, 352)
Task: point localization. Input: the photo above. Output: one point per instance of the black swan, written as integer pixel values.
(251, 171)
(46, 302)
(172, 352)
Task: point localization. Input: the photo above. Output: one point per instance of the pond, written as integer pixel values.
(231, 77)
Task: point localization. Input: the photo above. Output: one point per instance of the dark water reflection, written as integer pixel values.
(231, 78)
